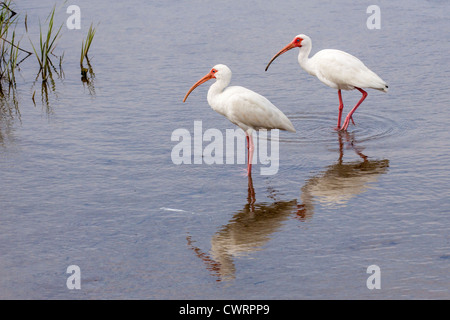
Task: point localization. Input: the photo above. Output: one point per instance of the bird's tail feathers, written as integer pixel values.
(384, 88)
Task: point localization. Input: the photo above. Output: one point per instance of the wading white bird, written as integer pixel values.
(338, 70)
(243, 107)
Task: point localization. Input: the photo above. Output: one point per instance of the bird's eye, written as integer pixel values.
(213, 70)
(297, 40)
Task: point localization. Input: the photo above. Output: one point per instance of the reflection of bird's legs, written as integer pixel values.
(251, 198)
(349, 139)
(359, 153)
(341, 147)
(211, 265)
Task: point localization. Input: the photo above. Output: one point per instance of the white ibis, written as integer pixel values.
(338, 70)
(243, 107)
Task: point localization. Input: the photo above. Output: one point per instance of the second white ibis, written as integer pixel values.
(243, 107)
(337, 69)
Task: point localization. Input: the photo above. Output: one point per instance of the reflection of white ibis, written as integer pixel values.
(341, 181)
(338, 70)
(243, 107)
(249, 230)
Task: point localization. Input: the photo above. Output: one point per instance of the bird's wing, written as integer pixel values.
(255, 111)
(342, 69)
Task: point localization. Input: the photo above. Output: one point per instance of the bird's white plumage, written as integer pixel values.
(341, 70)
(243, 107)
(338, 69)
(249, 110)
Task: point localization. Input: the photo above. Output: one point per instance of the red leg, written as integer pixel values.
(341, 106)
(250, 154)
(349, 116)
(248, 146)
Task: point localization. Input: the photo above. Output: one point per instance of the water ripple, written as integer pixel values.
(319, 128)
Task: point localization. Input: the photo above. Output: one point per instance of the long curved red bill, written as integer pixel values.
(199, 82)
(287, 48)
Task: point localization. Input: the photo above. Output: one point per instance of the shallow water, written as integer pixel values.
(88, 180)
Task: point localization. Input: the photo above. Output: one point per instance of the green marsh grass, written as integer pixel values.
(8, 48)
(9, 60)
(12, 54)
(85, 45)
(47, 43)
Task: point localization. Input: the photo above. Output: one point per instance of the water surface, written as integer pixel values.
(87, 177)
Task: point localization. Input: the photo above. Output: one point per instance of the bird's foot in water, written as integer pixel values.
(346, 123)
(244, 172)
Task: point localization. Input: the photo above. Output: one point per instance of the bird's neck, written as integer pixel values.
(303, 59)
(215, 91)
